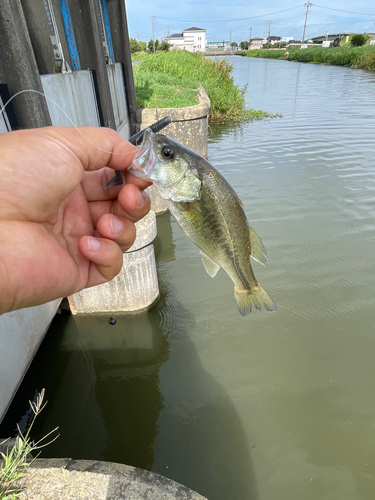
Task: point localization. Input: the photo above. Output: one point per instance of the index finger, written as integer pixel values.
(96, 147)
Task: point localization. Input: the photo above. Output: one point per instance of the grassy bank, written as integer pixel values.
(354, 57)
(171, 79)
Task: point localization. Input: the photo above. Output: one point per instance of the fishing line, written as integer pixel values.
(64, 112)
(117, 179)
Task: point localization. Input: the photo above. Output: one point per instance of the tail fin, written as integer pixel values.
(256, 297)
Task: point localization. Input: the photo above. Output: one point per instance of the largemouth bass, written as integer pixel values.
(208, 211)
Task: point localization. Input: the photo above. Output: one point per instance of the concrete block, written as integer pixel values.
(135, 288)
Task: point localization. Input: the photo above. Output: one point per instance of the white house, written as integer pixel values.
(191, 39)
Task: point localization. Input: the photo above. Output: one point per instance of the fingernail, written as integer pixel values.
(116, 225)
(140, 198)
(94, 244)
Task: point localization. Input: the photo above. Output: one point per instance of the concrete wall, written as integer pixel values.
(21, 332)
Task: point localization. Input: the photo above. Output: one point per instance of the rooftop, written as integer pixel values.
(194, 29)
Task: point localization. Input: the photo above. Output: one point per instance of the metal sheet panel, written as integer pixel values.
(120, 108)
(4, 123)
(71, 99)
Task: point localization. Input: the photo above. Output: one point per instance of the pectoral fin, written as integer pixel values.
(210, 266)
(189, 189)
(258, 252)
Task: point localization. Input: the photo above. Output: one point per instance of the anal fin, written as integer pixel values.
(210, 266)
(258, 252)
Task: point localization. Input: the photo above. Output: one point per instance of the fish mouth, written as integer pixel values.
(144, 159)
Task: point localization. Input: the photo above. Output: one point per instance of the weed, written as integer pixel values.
(15, 461)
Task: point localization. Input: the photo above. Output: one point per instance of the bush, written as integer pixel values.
(163, 46)
(358, 40)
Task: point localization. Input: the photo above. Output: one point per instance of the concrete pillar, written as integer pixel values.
(135, 288)
(19, 68)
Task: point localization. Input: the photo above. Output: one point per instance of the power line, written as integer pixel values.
(228, 20)
(340, 10)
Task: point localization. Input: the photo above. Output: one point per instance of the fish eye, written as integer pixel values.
(167, 153)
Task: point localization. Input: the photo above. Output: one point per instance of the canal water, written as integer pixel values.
(271, 406)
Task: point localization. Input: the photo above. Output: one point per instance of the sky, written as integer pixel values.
(231, 20)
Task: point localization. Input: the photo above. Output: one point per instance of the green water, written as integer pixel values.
(271, 406)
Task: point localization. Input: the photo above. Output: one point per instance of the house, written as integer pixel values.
(192, 39)
(273, 40)
(256, 43)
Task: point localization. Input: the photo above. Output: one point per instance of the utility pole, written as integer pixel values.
(269, 32)
(251, 28)
(153, 31)
(168, 30)
(307, 5)
(137, 35)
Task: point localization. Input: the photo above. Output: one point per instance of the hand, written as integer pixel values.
(59, 231)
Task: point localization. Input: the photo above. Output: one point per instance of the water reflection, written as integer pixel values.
(201, 441)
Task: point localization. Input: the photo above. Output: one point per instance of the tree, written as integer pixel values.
(143, 45)
(234, 44)
(151, 45)
(135, 46)
(244, 45)
(358, 40)
(163, 46)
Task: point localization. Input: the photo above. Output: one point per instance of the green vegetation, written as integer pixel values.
(136, 46)
(347, 55)
(358, 40)
(15, 462)
(171, 79)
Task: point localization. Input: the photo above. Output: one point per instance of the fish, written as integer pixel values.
(208, 211)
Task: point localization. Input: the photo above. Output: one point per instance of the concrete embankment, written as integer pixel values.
(67, 479)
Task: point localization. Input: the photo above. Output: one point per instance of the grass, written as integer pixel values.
(171, 79)
(15, 462)
(353, 57)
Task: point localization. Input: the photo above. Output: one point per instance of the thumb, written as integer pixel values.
(105, 256)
